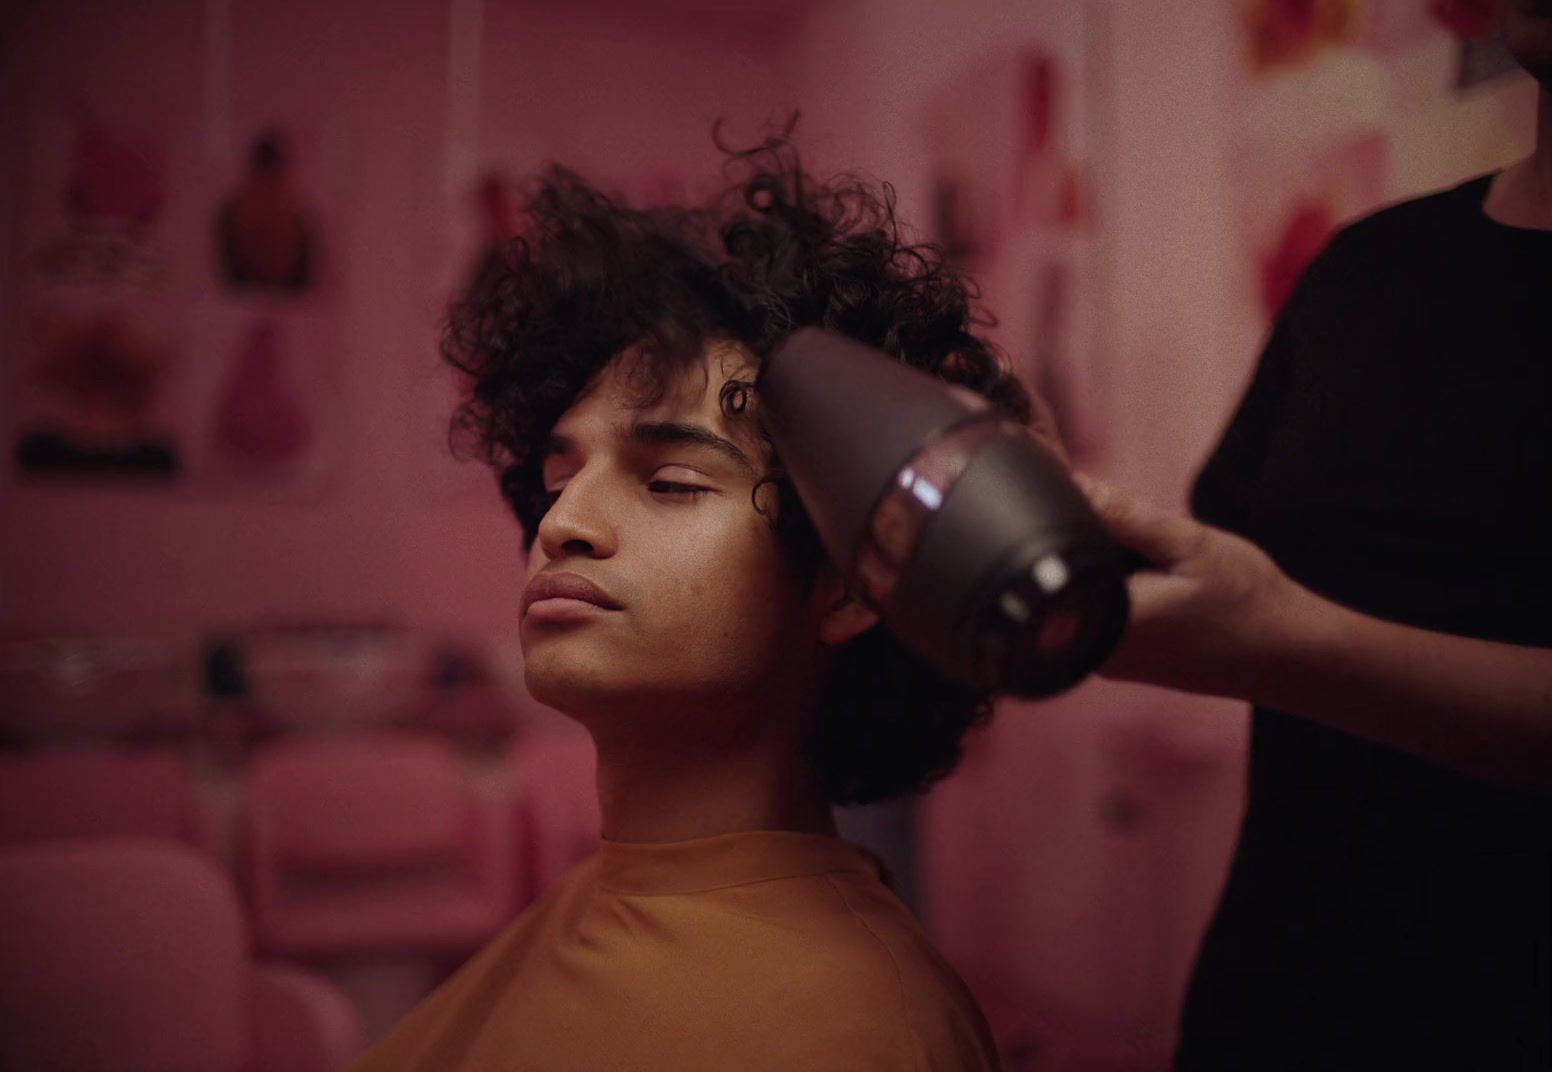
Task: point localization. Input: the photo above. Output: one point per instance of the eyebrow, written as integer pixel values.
(664, 434)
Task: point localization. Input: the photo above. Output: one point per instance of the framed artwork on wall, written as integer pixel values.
(101, 268)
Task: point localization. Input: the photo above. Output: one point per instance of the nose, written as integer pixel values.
(578, 522)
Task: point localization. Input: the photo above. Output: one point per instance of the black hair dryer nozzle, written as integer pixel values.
(951, 520)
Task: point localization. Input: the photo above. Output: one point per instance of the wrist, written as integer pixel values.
(1308, 639)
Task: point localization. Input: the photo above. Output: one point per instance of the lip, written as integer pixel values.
(566, 591)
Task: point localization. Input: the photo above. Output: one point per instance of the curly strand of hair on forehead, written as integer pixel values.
(592, 277)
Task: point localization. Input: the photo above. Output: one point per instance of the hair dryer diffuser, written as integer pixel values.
(951, 520)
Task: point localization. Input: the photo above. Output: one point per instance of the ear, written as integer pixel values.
(1043, 424)
(845, 616)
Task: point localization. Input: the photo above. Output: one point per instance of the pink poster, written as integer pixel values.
(100, 253)
(97, 385)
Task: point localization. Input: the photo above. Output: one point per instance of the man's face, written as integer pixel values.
(692, 600)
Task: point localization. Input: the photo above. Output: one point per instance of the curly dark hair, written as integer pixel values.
(592, 276)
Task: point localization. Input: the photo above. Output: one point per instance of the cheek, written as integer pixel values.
(730, 587)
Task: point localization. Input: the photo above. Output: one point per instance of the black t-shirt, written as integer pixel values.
(1393, 453)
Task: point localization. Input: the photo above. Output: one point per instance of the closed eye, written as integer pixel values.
(674, 489)
(666, 489)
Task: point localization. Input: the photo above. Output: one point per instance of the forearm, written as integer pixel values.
(1215, 615)
(1476, 706)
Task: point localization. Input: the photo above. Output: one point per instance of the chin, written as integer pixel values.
(566, 689)
(564, 675)
(610, 694)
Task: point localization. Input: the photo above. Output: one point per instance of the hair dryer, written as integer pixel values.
(949, 518)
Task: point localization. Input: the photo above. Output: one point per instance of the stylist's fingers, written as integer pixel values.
(1162, 538)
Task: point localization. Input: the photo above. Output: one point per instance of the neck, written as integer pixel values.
(682, 786)
(1521, 196)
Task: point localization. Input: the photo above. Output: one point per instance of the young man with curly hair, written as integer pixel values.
(680, 608)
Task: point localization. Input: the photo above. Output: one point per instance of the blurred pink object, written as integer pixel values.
(262, 421)
(80, 690)
(498, 212)
(1466, 19)
(373, 845)
(132, 955)
(1290, 32)
(336, 680)
(111, 177)
(1038, 78)
(464, 705)
(300, 1022)
(98, 793)
(1308, 228)
(555, 806)
(265, 237)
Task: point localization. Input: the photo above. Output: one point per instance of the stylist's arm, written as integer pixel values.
(1217, 616)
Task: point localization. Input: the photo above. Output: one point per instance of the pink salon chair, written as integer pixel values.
(132, 955)
(373, 845)
(299, 1021)
(555, 806)
(97, 793)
